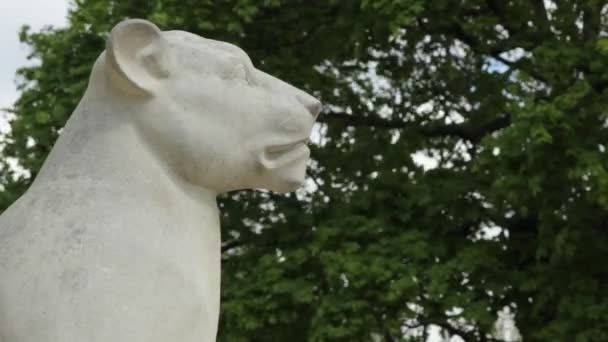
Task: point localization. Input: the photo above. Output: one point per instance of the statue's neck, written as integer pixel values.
(100, 147)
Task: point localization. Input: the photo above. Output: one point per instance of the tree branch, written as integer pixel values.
(228, 245)
(591, 20)
(497, 7)
(517, 38)
(542, 15)
(495, 51)
(464, 131)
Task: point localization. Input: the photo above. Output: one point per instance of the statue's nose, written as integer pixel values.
(313, 105)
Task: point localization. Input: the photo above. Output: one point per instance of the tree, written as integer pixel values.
(508, 98)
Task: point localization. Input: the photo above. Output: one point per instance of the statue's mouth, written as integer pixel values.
(276, 151)
(278, 155)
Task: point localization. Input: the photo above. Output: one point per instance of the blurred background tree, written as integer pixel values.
(459, 167)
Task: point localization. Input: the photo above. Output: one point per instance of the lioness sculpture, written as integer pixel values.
(118, 238)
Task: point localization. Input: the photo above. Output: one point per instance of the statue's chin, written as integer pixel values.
(289, 177)
(284, 168)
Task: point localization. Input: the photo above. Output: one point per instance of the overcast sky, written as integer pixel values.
(14, 14)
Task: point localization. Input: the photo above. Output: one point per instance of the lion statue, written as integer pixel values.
(118, 237)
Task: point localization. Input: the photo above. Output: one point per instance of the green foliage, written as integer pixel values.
(509, 97)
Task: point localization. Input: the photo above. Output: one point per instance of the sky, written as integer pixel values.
(16, 13)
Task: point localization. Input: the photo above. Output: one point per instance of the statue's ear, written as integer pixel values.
(138, 56)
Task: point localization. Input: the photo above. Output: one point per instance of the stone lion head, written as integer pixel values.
(207, 112)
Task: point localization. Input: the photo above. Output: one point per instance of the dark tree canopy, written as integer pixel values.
(509, 99)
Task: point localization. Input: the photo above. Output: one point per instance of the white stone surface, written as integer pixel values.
(118, 238)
